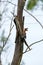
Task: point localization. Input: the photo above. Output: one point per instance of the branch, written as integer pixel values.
(8, 35)
(35, 42)
(34, 18)
(18, 27)
(9, 2)
(32, 45)
(27, 12)
(11, 27)
(26, 44)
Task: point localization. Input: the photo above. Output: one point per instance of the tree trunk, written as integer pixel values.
(19, 44)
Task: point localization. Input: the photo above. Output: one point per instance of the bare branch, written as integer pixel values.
(26, 44)
(9, 2)
(27, 12)
(32, 45)
(26, 51)
(34, 18)
(35, 42)
(8, 36)
(11, 27)
(18, 27)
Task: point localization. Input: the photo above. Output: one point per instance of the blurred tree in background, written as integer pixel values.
(32, 3)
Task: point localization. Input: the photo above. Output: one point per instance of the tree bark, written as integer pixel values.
(19, 43)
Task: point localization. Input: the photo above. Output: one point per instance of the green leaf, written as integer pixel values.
(31, 4)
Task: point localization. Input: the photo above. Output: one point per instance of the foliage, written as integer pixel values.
(32, 3)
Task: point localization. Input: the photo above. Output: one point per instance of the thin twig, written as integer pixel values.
(9, 33)
(35, 42)
(27, 12)
(34, 18)
(8, 36)
(11, 27)
(26, 44)
(26, 51)
(32, 45)
(9, 2)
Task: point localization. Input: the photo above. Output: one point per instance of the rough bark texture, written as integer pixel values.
(19, 44)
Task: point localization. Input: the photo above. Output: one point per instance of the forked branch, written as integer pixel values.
(20, 31)
(32, 45)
